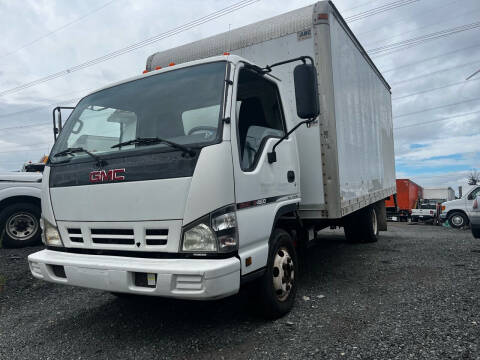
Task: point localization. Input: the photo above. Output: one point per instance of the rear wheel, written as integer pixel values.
(457, 220)
(362, 226)
(277, 288)
(20, 225)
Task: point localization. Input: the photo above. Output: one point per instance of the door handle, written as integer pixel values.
(291, 176)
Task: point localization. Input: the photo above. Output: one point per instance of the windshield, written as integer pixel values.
(182, 106)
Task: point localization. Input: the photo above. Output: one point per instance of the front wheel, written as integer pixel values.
(277, 288)
(20, 225)
(457, 220)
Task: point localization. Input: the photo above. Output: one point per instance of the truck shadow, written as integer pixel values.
(177, 321)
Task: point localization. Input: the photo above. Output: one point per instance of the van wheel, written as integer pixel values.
(457, 220)
(277, 288)
(362, 226)
(20, 225)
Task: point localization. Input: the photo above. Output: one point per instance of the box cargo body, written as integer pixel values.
(347, 162)
(408, 195)
(439, 194)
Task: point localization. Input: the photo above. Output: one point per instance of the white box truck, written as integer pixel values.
(219, 163)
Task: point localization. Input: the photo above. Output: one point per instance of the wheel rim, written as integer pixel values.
(457, 220)
(283, 274)
(374, 222)
(21, 226)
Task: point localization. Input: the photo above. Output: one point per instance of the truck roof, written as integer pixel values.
(289, 23)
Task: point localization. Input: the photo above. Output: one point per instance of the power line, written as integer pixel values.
(57, 30)
(453, 17)
(471, 76)
(435, 72)
(175, 31)
(428, 90)
(25, 126)
(369, 2)
(435, 121)
(379, 10)
(435, 108)
(62, 102)
(212, 16)
(419, 40)
(404, 19)
(442, 55)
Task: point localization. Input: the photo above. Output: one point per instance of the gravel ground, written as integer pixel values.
(412, 295)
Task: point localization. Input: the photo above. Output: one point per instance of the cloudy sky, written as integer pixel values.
(436, 112)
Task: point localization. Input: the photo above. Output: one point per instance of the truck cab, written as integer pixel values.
(457, 212)
(181, 199)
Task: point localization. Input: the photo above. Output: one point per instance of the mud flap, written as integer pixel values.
(381, 212)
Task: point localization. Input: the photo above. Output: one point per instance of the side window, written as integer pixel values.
(259, 115)
(474, 194)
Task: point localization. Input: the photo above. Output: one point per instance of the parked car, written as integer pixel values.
(475, 217)
(457, 212)
(20, 208)
(426, 212)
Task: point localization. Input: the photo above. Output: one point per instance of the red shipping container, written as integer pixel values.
(408, 194)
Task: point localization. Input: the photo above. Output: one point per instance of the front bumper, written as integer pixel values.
(443, 217)
(179, 278)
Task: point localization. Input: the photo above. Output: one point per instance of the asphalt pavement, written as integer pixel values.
(412, 295)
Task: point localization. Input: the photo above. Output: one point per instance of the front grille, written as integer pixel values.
(156, 236)
(113, 236)
(75, 235)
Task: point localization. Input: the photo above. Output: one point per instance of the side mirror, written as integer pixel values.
(306, 91)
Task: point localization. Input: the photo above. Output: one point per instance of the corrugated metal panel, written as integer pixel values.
(243, 37)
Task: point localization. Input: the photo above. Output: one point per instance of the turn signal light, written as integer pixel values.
(443, 207)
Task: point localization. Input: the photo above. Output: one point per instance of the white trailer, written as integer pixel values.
(213, 167)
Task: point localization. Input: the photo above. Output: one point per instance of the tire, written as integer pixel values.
(457, 220)
(276, 297)
(20, 225)
(362, 226)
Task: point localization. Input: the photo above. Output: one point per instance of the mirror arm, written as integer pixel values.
(272, 156)
(268, 68)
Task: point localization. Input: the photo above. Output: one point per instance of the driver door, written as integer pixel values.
(261, 188)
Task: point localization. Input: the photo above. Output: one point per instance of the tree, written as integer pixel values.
(473, 178)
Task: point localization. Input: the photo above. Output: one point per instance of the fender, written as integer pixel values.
(20, 191)
(282, 210)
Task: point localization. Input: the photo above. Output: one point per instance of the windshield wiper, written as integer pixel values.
(155, 140)
(71, 151)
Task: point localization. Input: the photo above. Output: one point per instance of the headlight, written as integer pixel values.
(50, 234)
(199, 238)
(216, 232)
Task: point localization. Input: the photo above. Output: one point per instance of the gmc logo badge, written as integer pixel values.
(107, 175)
